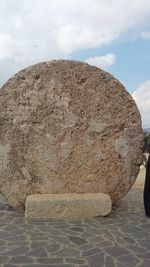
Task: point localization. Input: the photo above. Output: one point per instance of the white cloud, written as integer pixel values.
(102, 61)
(37, 30)
(145, 35)
(142, 98)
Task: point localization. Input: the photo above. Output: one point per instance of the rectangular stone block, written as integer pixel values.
(67, 206)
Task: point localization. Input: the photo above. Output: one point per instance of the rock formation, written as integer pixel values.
(67, 127)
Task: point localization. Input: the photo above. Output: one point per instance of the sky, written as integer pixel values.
(111, 34)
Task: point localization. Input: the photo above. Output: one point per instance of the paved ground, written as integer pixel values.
(120, 239)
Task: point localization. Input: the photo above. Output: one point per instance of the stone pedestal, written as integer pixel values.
(67, 206)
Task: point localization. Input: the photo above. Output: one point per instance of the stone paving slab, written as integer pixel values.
(122, 239)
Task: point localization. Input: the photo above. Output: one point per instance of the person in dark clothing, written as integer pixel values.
(147, 189)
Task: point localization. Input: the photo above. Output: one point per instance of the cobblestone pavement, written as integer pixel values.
(118, 240)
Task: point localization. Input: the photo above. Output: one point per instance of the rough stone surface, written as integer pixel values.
(69, 206)
(67, 127)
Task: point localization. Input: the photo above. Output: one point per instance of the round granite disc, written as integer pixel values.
(67, 127)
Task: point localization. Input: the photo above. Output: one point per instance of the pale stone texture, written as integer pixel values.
(67, 206)
(67, 127)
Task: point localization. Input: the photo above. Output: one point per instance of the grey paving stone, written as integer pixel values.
(38, 244)
(13, 229)
(80, 223)
(146, 227)
(145, 243)
(88, 234)
(116, 251)
(77, 240)
(21, 260)
(10, 265)
(128, 260)
(96, 239)
(108, 235)
(129, 240)
(61, 240)
(105, 244)
(17, 238)
(90, 252)
(96, 260)
(43, 228)
(68, 252)
(35, 222)
(16, 251)
(52, 265)
(6, 236)
(74, 261)
(71, 232)
(145, 263)
(140, 235)
(2, 243)
(123, 236)
(39, 252)
(87, 247)
(119, 264)
(61, 226)
(4, 259)
(15, 244)
(39, 238)
(109, 262)
(144, 256)
(50, 260)
(35, 233)
(53, 232)
(136, 249)
(53, 247)
(130, 229)
(77, 229)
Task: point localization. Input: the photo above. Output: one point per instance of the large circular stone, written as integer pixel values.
(66, 126)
